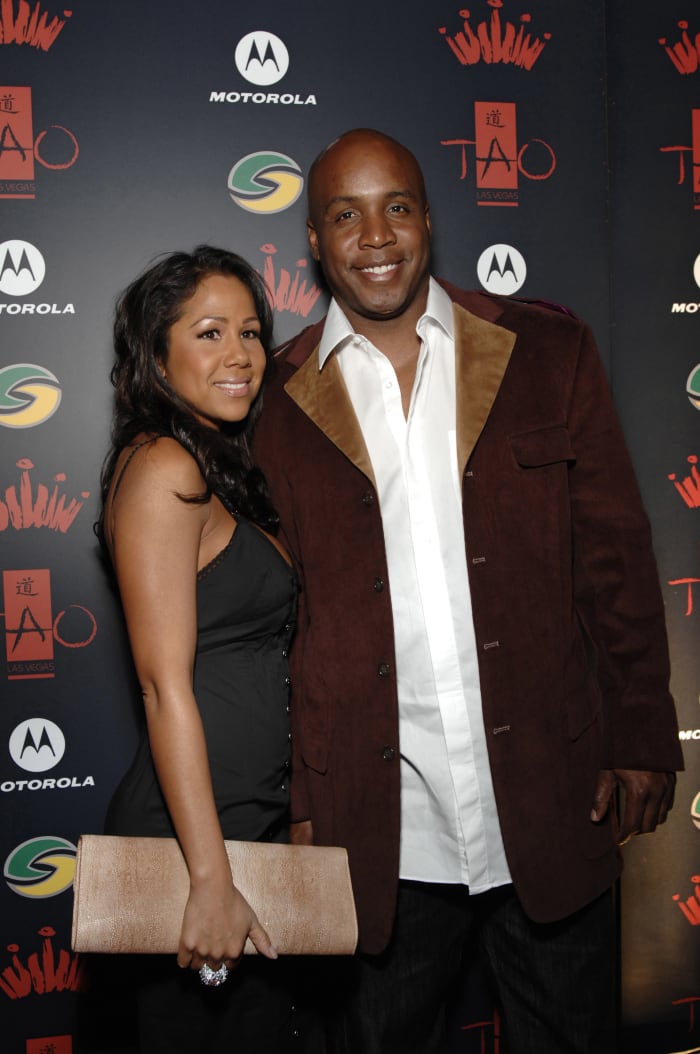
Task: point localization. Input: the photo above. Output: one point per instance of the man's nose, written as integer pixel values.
(376, 231)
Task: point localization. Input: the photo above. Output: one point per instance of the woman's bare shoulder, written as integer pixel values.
(160, 461)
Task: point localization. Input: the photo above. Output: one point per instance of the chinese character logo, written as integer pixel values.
(498, 160)
(54, 148)
(694, 150)
(31, 629)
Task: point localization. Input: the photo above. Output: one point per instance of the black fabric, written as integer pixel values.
(245, 611)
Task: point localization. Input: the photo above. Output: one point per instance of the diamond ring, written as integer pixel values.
(213, 978)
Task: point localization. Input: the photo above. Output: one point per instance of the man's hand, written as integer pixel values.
(648, 799)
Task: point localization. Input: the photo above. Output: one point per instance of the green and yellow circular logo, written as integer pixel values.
(265, 182)
(41, 867)
(29, 395)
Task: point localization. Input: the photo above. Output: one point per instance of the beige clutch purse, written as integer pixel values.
(130, 895)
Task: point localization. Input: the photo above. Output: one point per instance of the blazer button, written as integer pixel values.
(388, 753)
(368, 498)
(384, 669)
(378, 585)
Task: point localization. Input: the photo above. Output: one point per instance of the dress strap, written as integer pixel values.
(117, 482)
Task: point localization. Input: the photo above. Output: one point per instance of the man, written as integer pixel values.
(481, 655)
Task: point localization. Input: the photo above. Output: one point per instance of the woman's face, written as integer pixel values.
(215, 358)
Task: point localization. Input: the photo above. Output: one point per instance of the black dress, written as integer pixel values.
(246, 601)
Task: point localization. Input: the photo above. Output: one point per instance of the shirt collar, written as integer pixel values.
(337, 331)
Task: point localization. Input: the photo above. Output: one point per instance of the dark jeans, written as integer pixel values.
(555, 983)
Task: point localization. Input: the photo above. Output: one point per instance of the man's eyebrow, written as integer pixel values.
(350, 199)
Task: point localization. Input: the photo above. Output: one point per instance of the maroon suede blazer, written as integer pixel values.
(567, 608)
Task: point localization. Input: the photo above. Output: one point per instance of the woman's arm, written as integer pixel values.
(156, 540)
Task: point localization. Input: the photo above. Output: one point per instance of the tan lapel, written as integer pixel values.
(323, 397)
(482, 353)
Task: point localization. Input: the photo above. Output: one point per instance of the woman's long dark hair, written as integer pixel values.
(146, 404)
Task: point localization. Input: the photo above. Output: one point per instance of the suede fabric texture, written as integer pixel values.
(568, 613)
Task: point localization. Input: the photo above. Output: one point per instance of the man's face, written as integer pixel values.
(369, 226)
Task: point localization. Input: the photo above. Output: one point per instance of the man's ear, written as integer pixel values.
(313, 239)
(428, 222)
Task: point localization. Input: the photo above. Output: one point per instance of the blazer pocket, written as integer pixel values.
(582, 710)
(314, 752)
(543, 446)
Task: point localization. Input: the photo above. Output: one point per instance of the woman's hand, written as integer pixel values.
(216, 924)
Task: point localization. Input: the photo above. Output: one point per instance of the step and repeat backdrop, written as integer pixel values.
(561, 148)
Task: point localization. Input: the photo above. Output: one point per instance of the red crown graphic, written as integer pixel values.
(24, 508)
(691, 906)
(495, 42)
(29, 26)
(287, 293)
(685, 54)
(689, 487)
(44, 971)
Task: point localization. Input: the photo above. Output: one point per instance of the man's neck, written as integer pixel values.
(394, 337)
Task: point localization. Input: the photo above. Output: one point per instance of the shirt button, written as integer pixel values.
(384, 669)
(288, 708)
(288, 681)
(378, 585)
(285, 652)
(388, 754)
(368, 498)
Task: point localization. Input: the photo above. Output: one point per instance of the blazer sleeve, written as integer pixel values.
(616, 585)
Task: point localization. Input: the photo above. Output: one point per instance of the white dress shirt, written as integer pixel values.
(449, 824)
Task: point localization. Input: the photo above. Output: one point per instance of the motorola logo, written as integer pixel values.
(262, 58)
(37, 745)
(22, 268)
(501, 269)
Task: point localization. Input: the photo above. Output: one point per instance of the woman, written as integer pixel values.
(209, 599)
